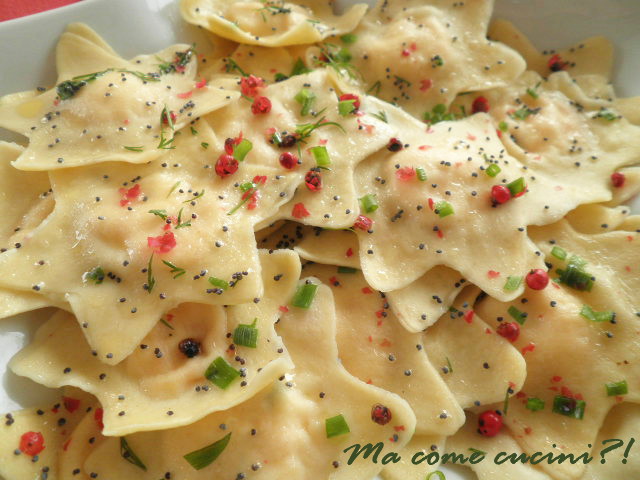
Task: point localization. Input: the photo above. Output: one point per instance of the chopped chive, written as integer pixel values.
(590, 314)
(617, 388)
(346, 107)
(204, 457)
(577, 261)
(246, 335)
(493, 170)
(347, 270)
(220, 373)
(421, 174)
(349, 38)
(321, 155)
(129, 455)
(306, 98)
(517, 187)
(204, 145)
(218, 282)
(193, 131)
(443, 209)
(369, 203)
(96, 275)
(559, 253)
(439, 474)
(532, 93)
(569, 407)
(304, 295)
(336, 426)
(134, 149)
(241, 150)
(503, 126)
(517, 315)
(535, 404)
(577, 278)
(512, 283)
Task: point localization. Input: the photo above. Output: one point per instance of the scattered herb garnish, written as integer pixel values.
(96, 275)
(590, 314)
(349, 38)
(193, 131)
(181, 61)
(134, 149)
(204, 457)
(443, 209)
(449, 366)
(165, 143)
(606, 115)
(151, 281)
(231, 65)
(304, 295)
(437, 61)
(175, 270)
(347, 270)
(306, 98)
(512, 283)
(159, 213)
(195, 197)
(274, 8)
(493, 170)
(246, 334)
(304, 130)
(241, 150)
(69, 88)
(218, 282)
(369, 203)
(336, 426)
(439, 114)
(375, 88)
(339, 59)
(523, 112)
(615, 389)
(166, 324)
(129, 455)
(381, 115)
(559, 253)
(173, 189)
(220, 373)
(569, 407)
(517, 315)
(533, 92)
(321, 155)
(182, 224)
(421, 174)
(535, 404)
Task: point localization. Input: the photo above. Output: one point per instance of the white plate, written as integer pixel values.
(144, 26)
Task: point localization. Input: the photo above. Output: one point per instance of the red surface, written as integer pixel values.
(20, 8)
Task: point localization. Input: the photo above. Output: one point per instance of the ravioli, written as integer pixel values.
(163, 384)
(271, 23)
(602, 352)
(291, 438)
(127, 243)
(373, 347)
(51, 427)
(412, 54)
(593, 56)
(105, 108)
